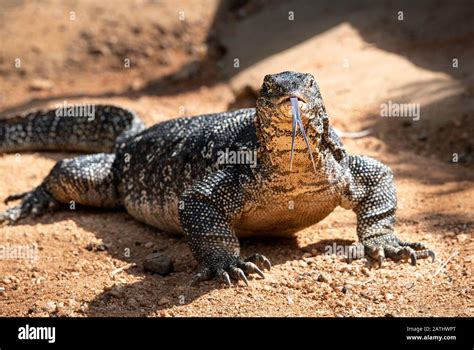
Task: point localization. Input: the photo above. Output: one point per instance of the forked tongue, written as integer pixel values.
(297, 122)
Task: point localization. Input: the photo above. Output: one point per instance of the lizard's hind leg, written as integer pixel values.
(88, 180)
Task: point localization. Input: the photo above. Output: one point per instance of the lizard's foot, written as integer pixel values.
(34, 203)
(389, 246)
(225, 268)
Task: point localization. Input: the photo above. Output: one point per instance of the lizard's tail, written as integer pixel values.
(80, 128)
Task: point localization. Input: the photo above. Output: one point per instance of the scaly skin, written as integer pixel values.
(173, 176)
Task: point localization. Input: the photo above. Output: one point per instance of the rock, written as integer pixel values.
(116, 291)
(96, 247)
(346, 288)
(422, 136)
(132, 302)
(98, 50)
(389, 296)
(322, 278)
(302, 263)
(148, 244)
(101, 248)
(7, 280)
(158, 263)
(50, 307)
(163, 301)
(41, 84)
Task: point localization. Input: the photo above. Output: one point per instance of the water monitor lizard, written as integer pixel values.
(188, 175)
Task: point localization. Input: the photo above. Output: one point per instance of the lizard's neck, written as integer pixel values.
(275, 141)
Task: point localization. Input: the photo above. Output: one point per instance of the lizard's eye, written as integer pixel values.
(267, 86)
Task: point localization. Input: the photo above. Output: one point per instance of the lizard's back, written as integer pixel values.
(159, 164)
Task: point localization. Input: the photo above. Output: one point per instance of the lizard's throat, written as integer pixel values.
(276, 137)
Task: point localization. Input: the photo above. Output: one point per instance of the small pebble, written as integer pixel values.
(163, 301)
(50, 307)
(116, 291)
(346, 288)
(101, 248)
(40, 84)
(322, 278)
(158, 263)
(132, 302)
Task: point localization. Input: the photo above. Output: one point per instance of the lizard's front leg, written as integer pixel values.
(373, 196)
(206, 214)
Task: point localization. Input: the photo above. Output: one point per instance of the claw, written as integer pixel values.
(266, 263)
(242, 276)
(260, 259)
(251, 267)
(14, 197)
(238, 274)
(426, 253)
(380, 256)
(432, 254)
(413, 258)
(203, 275)
(225, 278)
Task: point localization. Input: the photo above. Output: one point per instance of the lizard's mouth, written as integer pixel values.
(287, 99)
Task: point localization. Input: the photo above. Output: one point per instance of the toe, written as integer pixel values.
(250, 267)
(14, 197)
(376, 253)
(260, 260)
(413, 245)
(426, 253)
(224, 277)
(237, 274)
(203, 275)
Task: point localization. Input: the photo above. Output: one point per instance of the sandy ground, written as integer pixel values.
(363, 57)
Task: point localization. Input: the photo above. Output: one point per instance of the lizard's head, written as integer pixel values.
(274, 102)
(289, 101)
